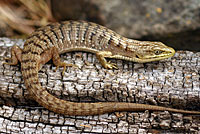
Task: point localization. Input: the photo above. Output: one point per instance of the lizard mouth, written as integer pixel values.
(164, 55)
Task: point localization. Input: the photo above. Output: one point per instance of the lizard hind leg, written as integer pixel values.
(57, 62)
(16, 53)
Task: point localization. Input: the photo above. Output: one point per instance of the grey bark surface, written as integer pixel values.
(173, 82)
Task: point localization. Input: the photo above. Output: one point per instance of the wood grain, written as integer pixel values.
(172, 83)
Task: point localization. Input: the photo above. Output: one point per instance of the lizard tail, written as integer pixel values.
(142, 107)
(50, 102)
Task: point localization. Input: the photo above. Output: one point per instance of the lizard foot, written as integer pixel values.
(110, 65)
(12, 61)
(64, 65)
(16, 53)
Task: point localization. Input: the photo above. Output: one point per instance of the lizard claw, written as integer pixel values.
(61, 64)
(6, 59)
(64, 65)
(110, 65)
(12, 62)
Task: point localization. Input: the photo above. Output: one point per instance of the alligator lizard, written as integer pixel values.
(48, 42)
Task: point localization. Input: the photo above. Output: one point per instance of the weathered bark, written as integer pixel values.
(172, 82)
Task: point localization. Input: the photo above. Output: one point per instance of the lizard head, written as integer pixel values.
(146, 51)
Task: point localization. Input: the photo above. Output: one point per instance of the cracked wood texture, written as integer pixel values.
(172, 83)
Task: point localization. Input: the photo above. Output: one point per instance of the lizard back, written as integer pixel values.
(74, 36)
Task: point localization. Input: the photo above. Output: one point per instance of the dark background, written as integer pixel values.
(175, 23)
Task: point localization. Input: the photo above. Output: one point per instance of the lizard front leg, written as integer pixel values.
(102, 55)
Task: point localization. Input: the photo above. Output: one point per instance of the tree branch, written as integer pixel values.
(172, 83)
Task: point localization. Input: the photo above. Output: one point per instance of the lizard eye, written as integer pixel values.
(157, 52)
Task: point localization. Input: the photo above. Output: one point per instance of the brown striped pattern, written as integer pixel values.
(76, 35)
